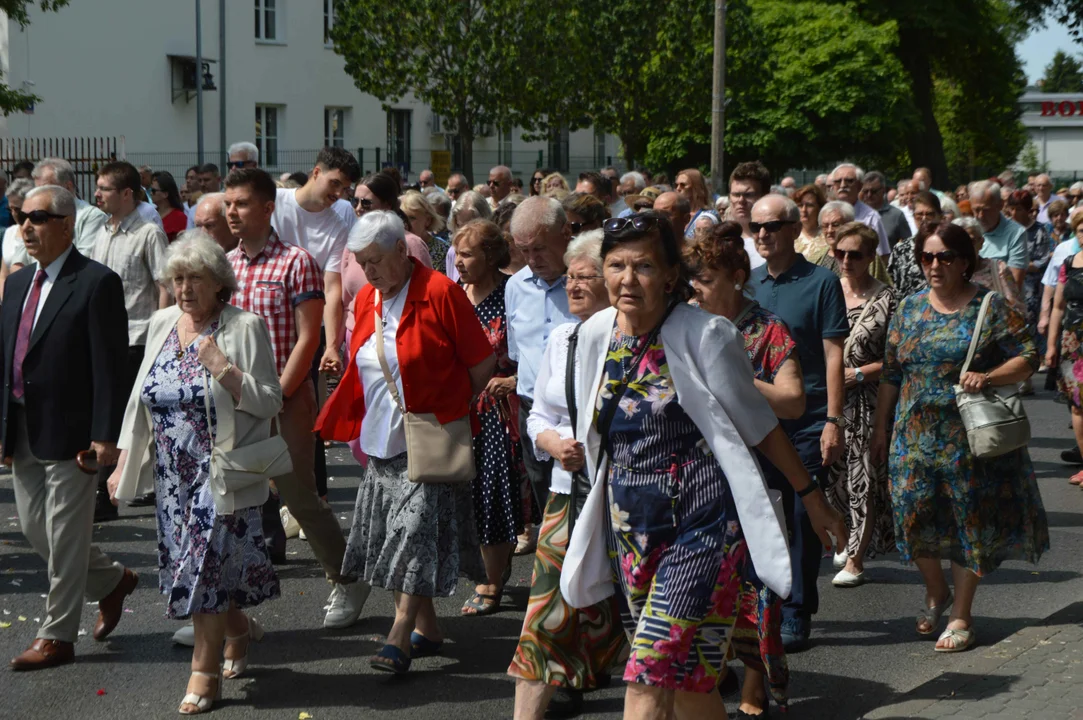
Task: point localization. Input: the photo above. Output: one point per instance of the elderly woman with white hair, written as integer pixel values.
(417, 353)
(208, 384)
(471, 205)
(833, 215)
(14, 252)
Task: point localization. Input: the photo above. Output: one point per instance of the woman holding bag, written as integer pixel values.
(417, 356)
(208, 384)
(948, 503)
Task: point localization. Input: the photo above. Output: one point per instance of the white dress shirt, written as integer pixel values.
(382, 433)
(52, 271)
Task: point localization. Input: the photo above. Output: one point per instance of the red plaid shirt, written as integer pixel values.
(272, 284)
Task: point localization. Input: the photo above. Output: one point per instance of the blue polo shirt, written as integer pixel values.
(809, 300)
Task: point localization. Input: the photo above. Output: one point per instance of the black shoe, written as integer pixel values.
(566, 703)
(602, 681)
(1072, 457)
(148, 500)
(795, 632)
(730, 685)
(104, 510)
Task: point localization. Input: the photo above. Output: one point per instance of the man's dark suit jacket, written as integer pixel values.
(74, 372)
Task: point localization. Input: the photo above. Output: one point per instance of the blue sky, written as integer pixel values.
(1037, 50)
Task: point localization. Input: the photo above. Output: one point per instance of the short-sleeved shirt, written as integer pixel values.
(534, 309)
(1063, 251)
(767, 342)
(895, 224)
(136, 252)
(1007, 242)
(323, 234)
(871, 218)
(809, 299)
(274, 282)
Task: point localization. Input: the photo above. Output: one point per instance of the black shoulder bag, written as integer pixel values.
(580, 482)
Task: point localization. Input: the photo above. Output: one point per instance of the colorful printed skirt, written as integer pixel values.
(561, 645)
(757, 634)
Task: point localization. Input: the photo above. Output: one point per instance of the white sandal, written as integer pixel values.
(960, 640)
(202, 704)
(933, 614)
(235, 668)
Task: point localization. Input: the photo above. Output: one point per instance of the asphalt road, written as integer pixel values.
(864, 648)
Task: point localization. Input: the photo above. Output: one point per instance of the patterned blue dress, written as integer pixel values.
(204, 560)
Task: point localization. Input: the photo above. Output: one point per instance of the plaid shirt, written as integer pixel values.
(272, 284)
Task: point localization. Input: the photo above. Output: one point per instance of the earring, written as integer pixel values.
(668, 288)
(737, 286)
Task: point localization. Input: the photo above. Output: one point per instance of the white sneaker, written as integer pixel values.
(186, 635)
(289, 522)
(839, 561)
(301, 534)
(846, 579)
(345, 604)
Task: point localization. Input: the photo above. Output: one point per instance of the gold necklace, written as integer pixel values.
(184, 344)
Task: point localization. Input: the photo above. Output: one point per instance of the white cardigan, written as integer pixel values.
(243, 338)
(714, 383)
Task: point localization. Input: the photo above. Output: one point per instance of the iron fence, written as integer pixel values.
(86, 155)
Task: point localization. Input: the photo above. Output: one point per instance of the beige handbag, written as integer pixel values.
(435, 453)
(249, 464)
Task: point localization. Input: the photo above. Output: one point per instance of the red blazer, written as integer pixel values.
(439, 339)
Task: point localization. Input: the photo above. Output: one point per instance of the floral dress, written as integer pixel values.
(1071, 334)
(674, 541)
(438, 245)
(906, 274)
(205, 560)
(859, 486)
(947, 502)
(1040, 249)
(498, 454)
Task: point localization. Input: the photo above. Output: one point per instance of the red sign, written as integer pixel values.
(1065, 108)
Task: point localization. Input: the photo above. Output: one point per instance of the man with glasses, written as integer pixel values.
(243, 155)
(1043, 189)
(1075, 195)
(427, 182)
(1004, 239)
(809, 299)
(456, 186)
(88, 219)
(499, 184)
(874, 194)
(847, 180)
(749, 181)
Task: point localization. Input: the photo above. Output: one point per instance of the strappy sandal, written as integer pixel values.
(391, 660)
(235, 668)
(482, 604)
(421, 646)
(202, 704)
(932, 615)
(961, 640)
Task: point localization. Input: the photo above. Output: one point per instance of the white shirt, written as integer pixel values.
(52, 271)
(89, 219)
(345, 211)
(150, 213)
(1052, 270)
(870, 217)
(323, 234)
(754, 257)
(190, 213)
(14, 250)
(382, 434)
(550, 410)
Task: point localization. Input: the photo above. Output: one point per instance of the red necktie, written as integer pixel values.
(22, 340)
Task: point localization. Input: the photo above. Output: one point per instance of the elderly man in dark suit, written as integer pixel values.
(63, 348)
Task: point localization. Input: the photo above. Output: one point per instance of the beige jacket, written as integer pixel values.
(244, 339)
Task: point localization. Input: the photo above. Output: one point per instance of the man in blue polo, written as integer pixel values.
(1004, 239)
(809, 299)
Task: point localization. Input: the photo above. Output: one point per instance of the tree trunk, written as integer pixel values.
(925, 143)
(466, 137)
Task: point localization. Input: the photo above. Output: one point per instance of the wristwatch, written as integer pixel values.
(836, 420)
(859, 376)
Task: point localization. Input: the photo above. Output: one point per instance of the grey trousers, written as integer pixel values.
(55, 501)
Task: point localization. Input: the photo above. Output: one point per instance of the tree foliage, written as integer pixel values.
(12, 100)
(1063, 75)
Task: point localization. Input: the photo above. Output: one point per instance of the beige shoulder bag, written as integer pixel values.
(435, 453)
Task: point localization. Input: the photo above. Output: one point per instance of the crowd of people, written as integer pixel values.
(674, 400)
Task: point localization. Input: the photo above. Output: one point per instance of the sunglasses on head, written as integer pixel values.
(634, 223)
(945, 258)
(40, 217)
(841, 255)
(772, 226)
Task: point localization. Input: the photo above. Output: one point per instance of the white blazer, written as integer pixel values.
(714, 383)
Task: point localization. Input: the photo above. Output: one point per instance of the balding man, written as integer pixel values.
(427, 181)
(210, 217)
(676, 207)
(499, 184)
(1004, 239)
(88, 219)
(456, 186)
(1043, 188)
(847, 180)
(809, 299)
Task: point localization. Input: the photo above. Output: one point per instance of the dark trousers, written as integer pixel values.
(539, 473)
(806, 552)
(135, 359)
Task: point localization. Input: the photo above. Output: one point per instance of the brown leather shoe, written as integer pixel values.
(44, 653)
(111, 607)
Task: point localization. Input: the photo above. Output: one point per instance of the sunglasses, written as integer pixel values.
(235, 164)
(772, 226)
(536, 181)
(18, 216)
(944, 258)
(365, 203)
(493, 183)
(635, 223)
(640, 206)
(841, 255)
(576, 227)
(40, 217)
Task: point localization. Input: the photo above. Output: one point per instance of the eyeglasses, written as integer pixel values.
(945, 258)
(926, 216)
(156, 190)
(363, 202)
(635, 223)
(841, 255)
(454, 192)
(40, 217)
(235, 164)
(536, 181)
(772, 226)
(846, 181)
(494, 183)
(581, 279)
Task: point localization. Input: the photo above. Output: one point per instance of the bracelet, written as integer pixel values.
(812, 487)
(225, 371)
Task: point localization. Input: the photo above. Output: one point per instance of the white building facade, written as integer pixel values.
(1054, 122)
(125, 70)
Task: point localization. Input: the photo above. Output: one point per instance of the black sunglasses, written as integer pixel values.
(576, 227)
(634, 223)
(18, 216)
(944, 258)
(235, 164)
(772, 226)
(536, 181)
(40, 217)
(841, 255)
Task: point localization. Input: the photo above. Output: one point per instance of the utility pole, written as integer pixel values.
(224, 159)
(718, 98)
(199, 84)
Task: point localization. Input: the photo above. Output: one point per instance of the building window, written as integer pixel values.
(334, 125)
(267, 134)
(505, 148)
(398, 139)
(558, 148)
(599, 148)
(266, 20)
(328, 20)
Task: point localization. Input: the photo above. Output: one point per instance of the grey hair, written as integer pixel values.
(19, 188)
(382, 227)
(876, 176)
(440, 202)
(587, 246)
(982, 189)
(251, 152)
(844, 208)
(61, 201)
(858, 171)
(1077, 185)
(471, 205)
(790, 211)
(536, 213)
(208, 198)
(948, 205)
(637, 178)
(63, 172)
(968, 223)
(194, 250)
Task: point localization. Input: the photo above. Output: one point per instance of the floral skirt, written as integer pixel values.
(1071, 367)
(560, 645)
(757, 634)
(413, 538)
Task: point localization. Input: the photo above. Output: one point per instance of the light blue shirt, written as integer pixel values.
(534, 309)
(1007, 242)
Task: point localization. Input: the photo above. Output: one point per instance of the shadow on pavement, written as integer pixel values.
(818, 696)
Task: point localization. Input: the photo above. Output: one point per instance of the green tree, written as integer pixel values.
(1030, 161)
(1063, 75)
(12, 100)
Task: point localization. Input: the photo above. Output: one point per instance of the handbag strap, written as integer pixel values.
(977, 331)
(391, 386)
(569, 377)
(860, 318)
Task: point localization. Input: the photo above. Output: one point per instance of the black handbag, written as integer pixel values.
(580, 482)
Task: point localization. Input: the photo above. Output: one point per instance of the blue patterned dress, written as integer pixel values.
(674, 542)
(204, 560)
